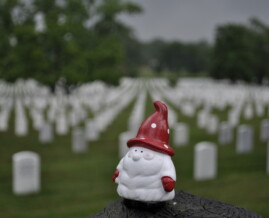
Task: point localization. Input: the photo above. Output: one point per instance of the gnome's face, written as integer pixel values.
(142, 161)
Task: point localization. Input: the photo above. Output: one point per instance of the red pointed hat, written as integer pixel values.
(154, 131)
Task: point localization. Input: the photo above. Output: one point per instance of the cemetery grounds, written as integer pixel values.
(79, 185)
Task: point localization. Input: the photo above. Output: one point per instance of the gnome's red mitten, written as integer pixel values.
(115, 175)
(168, 183)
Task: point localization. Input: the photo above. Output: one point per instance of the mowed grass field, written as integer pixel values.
(79, 185)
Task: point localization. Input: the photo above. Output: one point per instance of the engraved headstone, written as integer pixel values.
(38, 119)
(233, 117)
(26, 173)
(21, 125)
(225, 133)
(202, 119)
(91, 130)
(181, 134)
(212, 124)
(79, 144)
(267, 159)
(61, 124)
(4, 115)
(46, 133)
(205, 161)
(244, 141)
(248, 112)
(264, 130)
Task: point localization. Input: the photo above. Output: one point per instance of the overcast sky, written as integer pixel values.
(192, 20)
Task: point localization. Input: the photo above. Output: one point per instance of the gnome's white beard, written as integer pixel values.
(140, 173)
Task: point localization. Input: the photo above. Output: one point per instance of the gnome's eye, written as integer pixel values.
(148, 156)
(141, 151)
(135, 150)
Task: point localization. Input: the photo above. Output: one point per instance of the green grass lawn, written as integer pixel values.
(79, 185)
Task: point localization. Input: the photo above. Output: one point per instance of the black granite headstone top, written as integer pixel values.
(183, 205)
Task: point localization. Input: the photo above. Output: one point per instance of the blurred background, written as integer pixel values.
(83, 67)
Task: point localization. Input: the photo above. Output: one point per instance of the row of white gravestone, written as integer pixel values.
(135, 119)
(244, 139)
(77, 114)
(186, 106)
(157, 95)
(205, 160)
(244, 135)
(36, 99)
(137, 114)
(242, 100)
(27, 165)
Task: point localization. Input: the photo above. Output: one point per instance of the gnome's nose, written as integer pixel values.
(136, 157)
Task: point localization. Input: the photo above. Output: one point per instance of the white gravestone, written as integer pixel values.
(212, 124)
(225, 133)
(91, 131)
(248, 112)
(73, 118)
(46, 133)
(123, 138)
(264, 130)
(244, 141)
(267, 164)
(181, 134)
(21, 125)
(205, 161)
(259, 109)
(26, 173)
(79, 144)
(233, 118)
(38, 119)
(4, 115)
(202, 119)
(61, 124)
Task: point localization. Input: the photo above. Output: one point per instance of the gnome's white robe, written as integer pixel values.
(141, 180)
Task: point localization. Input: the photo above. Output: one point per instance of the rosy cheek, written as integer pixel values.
(148, 156)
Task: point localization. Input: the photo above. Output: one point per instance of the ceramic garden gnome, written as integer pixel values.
(146, 173)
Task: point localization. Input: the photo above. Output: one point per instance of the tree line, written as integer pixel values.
(241, 52)
(83, 40)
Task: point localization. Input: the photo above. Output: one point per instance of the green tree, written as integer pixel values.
(120, 42)
(261, 49)
(232, 56)
(50, 39)
(191, 57)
